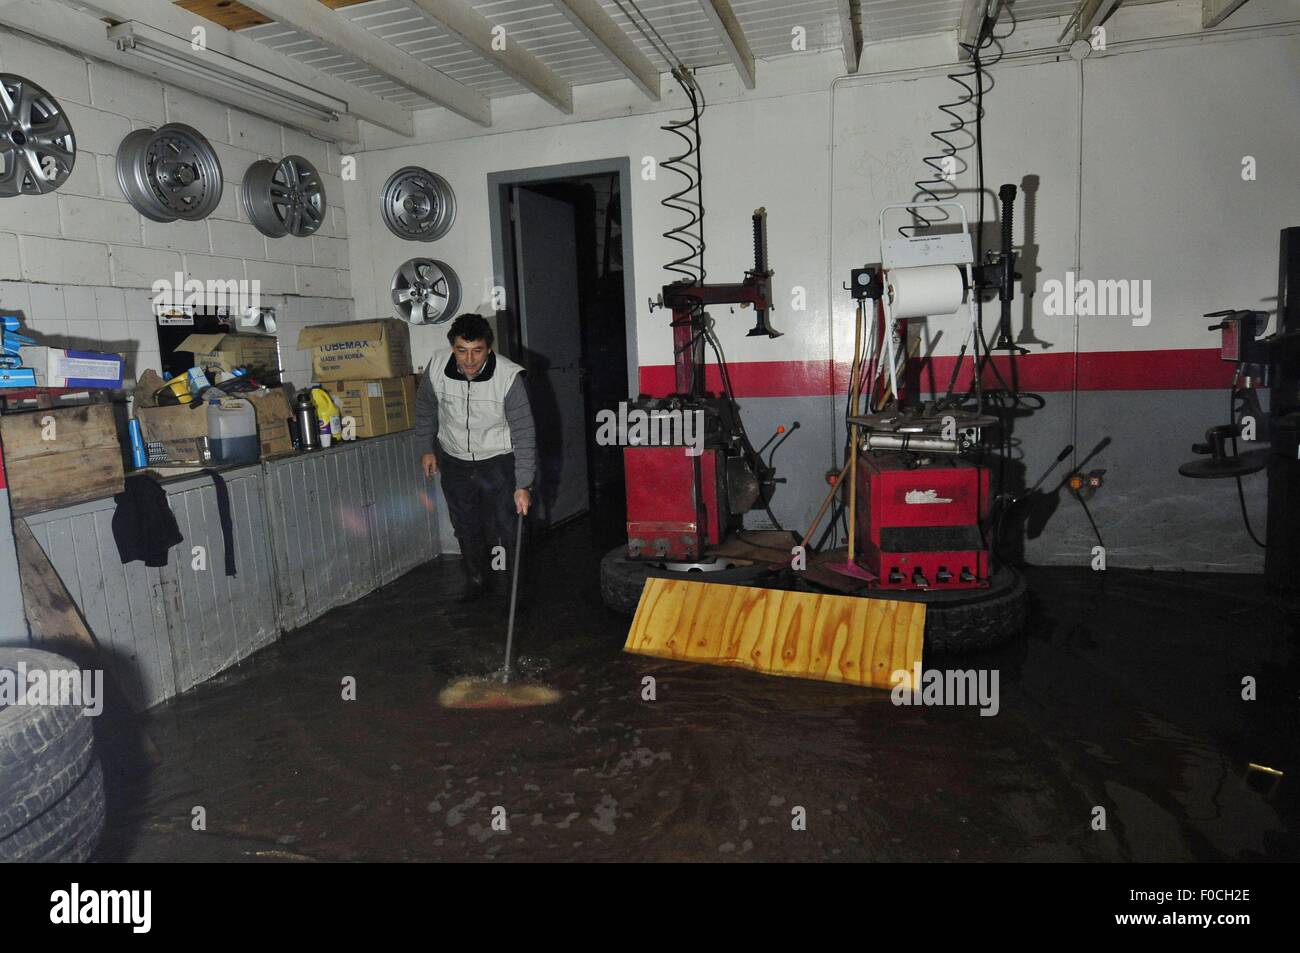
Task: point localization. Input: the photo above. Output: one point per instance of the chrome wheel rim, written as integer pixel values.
(170, 173)
(37, 146)
(418, 205)
(425, 291)
(285, 197)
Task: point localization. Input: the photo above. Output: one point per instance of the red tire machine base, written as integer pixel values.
(920, 526)
(679, 504)
(663, 505)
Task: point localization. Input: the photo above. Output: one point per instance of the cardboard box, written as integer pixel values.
(55, 458)
(175, 435)
(59, 367)
(188, 452)
(225, 352)
(358, 350)
(376, 406)
(147, 388)
(410, 386)
(273, 414)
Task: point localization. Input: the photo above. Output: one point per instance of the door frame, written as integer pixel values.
(503, 265)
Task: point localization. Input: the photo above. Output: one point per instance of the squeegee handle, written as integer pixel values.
(514, 595)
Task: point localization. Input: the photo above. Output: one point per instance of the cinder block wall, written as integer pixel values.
(81, 261)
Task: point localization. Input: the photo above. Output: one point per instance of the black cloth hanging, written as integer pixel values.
(143, 524)
(223, 516)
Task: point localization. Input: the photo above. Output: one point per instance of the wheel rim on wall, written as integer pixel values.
(285, 197)
(425, 291)
(169, 173)
(418, 205)
(37, 146)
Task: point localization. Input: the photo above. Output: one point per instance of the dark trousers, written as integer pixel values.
(481, 502)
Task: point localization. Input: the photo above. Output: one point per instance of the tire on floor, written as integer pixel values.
(67, 832)
(957, 622)
(622, 579)
(46, 753)
(964, 621)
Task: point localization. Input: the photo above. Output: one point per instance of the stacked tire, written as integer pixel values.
(957, 621)
(51, 782)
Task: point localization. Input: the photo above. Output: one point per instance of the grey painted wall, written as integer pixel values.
(1148, 515)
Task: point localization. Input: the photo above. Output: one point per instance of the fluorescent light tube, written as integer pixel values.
(239, 81)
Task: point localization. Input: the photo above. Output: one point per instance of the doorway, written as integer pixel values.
(562, 255)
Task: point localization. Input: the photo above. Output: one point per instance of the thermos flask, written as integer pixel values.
(308, 425)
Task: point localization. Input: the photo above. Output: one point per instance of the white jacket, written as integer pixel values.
(471, 413)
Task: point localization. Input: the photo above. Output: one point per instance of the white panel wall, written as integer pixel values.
(1164, 198)
(1164, 133)
(1155, 193)
(80, 262)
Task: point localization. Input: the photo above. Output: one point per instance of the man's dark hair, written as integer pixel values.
(471, 327)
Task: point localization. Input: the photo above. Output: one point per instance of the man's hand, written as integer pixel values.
(429, 464)
(523, 500)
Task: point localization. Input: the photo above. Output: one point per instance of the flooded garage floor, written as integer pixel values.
(1124, 695)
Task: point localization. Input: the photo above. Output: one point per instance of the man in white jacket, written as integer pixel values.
(472, 414)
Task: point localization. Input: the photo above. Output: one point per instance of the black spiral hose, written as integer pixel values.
(691, 233)
(943, 188)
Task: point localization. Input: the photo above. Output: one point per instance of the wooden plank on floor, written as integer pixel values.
(800, 634)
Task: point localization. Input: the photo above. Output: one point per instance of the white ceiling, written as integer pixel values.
(546, 33)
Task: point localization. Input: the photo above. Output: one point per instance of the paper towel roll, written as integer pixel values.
(926, 290)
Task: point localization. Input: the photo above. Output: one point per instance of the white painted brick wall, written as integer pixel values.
(235, 239)
(331, 252)
(93, 219)
(275, 278)
(61, 260)
(318, 282)
(177, 236)
(81, 262)
(120, 91)
(255, 134)
(313, 150)
(141, 267)
(297, 251)
(10, 266)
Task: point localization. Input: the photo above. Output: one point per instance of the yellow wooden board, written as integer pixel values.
(801, 634)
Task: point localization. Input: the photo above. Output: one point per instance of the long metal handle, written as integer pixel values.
(514, 594)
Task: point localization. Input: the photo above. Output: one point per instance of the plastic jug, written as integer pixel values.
(232, 431)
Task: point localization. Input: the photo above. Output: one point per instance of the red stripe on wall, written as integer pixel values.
(1181, 369)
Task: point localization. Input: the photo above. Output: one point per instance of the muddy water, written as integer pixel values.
(1124, 695)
